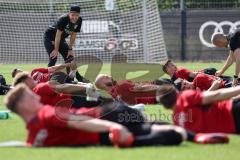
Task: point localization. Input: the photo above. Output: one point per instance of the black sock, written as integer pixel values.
(190, 136)
(79, 77)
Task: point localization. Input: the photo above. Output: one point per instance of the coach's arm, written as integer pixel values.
(56, 44)
(227, 64)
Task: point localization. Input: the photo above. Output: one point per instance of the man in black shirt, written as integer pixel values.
(54, 37)
(232, 41)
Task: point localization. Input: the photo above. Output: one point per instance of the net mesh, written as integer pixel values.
(133, 26)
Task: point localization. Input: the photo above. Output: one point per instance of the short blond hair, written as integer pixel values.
(99, 79)
(14, 96)
(20, 77)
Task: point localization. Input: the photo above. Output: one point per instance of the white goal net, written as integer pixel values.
(134, 26)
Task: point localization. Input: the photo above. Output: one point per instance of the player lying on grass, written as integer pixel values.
(231, 41)
(174, 72)
(203, 82)
(46, 74)
(128, 91)
(52, 93)
(206, 112)
(56, 126)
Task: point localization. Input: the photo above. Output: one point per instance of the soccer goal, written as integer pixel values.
(110, 27)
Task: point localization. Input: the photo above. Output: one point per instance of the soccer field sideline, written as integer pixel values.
(13, 129)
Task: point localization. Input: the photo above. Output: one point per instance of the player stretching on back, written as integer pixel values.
(128, 91)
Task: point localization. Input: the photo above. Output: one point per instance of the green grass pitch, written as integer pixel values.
(14, 129)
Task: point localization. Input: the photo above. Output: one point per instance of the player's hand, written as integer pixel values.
(218, 73)
(120, 135)
(70, 54)
(234, 82)
(54, 54)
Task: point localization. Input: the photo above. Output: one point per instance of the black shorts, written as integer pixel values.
(132, 119)
(236, 114)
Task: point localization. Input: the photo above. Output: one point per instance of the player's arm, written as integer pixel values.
(90, 124)
(58, 67)
(221, 94)
(215, 85)
(69, 88)
(98, 126)
(227, 64)
(56, 44)
(86, 89)
(144, 88)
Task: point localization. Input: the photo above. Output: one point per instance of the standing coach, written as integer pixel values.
(55, 35)
(231, 41)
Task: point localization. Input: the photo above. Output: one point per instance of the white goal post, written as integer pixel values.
(110, 27)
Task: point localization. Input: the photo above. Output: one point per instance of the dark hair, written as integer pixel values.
(178, 84)
(164, 67)
(167, 96)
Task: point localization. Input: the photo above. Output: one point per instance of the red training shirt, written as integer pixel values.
(182, 73)
(192, 115)
(40, 75)
(49, 96)
(46, 129)
(204, 82)
(123, 90)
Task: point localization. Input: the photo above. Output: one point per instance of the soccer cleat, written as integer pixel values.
(114, 136)
(211, 138)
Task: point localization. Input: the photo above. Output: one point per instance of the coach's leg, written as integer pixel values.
(49, 46)
(64, 52)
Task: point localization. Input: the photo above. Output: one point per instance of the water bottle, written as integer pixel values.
(4, 115)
